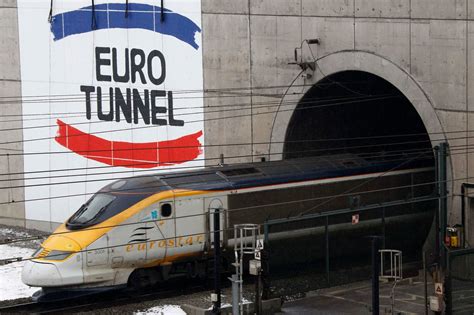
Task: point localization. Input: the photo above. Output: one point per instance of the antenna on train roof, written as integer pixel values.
(221, 160)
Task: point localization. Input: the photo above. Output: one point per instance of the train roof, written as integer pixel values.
(238, 176)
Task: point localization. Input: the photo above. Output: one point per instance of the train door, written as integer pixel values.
(190, 225)
(127, 242)
(161, 233)
(96, 261)
(97, 253)
(210, 204)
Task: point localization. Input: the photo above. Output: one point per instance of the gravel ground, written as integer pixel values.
(17, 234)
(13, 236)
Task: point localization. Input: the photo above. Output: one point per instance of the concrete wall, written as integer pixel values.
(424, 47)
(11, 160)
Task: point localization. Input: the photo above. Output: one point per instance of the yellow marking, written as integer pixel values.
(170, 259)
(189, 240)
(89, 235)
(61, 242)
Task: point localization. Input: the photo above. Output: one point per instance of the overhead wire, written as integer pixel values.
(272, 204)
(196, 113)
(88, 194)
(203, 159)
(148, 175)
(233, 106)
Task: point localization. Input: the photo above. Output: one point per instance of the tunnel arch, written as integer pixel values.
(354, 112)
(361, 62)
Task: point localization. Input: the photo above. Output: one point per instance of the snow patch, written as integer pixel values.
(11, 286)
(163, 310)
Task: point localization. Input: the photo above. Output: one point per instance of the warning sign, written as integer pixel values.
(259, 245)
(355, 219)
(438, 288)
(258, 248)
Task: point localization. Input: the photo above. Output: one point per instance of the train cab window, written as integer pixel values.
(166, 210)
(92, 209)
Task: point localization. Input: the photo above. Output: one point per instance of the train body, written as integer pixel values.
(143, 229)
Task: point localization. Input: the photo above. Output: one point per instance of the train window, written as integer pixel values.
(166, 210)
(92, 209)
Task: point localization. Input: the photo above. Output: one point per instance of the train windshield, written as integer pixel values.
(113, 199)
(92, 209)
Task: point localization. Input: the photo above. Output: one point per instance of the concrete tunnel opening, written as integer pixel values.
(354, 112)
(360, 113)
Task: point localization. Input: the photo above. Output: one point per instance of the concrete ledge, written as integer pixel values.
(268, 307)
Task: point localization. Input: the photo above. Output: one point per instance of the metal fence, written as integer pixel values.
(337, 243)
(459, 282)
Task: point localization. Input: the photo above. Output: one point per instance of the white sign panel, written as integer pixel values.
(257, 255)
(111, 89)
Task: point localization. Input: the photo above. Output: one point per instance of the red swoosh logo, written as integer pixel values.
(129, 154)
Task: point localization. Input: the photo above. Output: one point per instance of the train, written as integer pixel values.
(142, 230)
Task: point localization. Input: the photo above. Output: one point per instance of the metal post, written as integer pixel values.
(375, 276)
(463, 214)
(443, 201)
(235, 294)
(425, 282)
(437, 213)
(265, 273)
(448, 287)
(383, 227)
(258, 296)
(216, 308)
(326, 230)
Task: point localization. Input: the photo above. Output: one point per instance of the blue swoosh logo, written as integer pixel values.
(112, 15)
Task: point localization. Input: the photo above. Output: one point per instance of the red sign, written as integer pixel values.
(129, 154)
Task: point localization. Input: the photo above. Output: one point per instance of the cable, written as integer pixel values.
(249, 208)
(46, 97)
(86, 194)
(207, 112)
(362, 184)
(176, 237)
(204, 159)
(108, 179)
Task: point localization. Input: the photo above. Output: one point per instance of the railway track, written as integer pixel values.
(100, 301)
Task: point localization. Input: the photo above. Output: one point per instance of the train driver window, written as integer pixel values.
(166, 210)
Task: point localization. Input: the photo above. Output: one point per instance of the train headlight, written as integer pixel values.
(57, 255)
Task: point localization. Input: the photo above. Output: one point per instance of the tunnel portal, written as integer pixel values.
(354, 112)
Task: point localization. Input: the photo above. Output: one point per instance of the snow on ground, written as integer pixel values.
(11, 286)
(163, 310)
